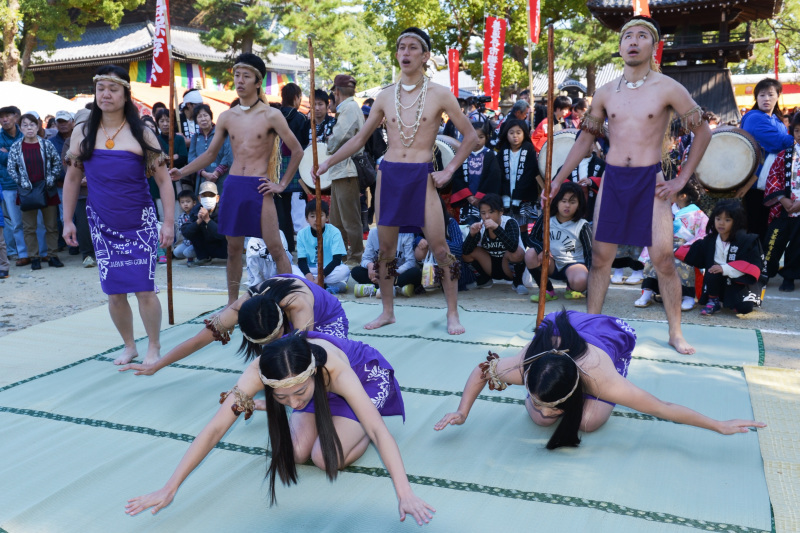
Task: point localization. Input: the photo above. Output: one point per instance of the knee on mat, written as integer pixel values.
(745, 308)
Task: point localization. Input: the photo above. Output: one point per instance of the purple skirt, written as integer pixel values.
(375, 374)
(240, 207)
(126, 259)
(403, 190)
(626, 211)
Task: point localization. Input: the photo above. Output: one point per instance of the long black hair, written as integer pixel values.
(503, 143)
(552, 376)
(130, 111)
(259, 315)
(286, 357)
(734, 208)
(577, 192)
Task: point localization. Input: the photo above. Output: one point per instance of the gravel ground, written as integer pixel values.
(32, 297)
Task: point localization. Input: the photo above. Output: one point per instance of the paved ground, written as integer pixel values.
(31, 297)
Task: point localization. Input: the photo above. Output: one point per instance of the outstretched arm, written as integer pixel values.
(207, 157)
(249, 384)
(354, 144)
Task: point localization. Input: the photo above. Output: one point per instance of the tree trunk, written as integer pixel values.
(247, 44)
(591, 79)
(29, 42)
(10, 55)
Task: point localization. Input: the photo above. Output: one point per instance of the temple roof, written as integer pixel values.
(672, 14)
(134, 42)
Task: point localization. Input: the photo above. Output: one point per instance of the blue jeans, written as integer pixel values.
(15, 239)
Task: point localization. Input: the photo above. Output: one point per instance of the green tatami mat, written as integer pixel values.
(80, 440)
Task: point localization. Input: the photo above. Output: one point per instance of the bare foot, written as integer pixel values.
(153, 355)
(127, 355)
(680, 345)
(454, 326)
(382, 320)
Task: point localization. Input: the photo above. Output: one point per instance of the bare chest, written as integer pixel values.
(412, 131)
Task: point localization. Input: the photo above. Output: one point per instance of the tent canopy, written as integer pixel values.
(28, 98)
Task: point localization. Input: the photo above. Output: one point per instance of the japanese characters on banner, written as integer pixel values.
(640, 7)
(452, 65)
(534, 19)
(777, 54)
(494, 41)
(160, 74)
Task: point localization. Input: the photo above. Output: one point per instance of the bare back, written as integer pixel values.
(252, 134)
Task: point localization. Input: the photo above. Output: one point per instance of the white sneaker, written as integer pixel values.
(635, 278)
(688, 303)
(362, 290)
(645, 300)
(520, 289)
(616, 278)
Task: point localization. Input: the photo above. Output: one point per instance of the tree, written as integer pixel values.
(590, 44)
(31, 23)
(785, 27)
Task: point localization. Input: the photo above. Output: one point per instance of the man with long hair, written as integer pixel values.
(117, 153)
(252, 126)
(406, 189)
(633, 205)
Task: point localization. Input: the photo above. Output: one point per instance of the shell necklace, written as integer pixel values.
(408, 139)
(248, 107)
(110, 140)
(633, 84)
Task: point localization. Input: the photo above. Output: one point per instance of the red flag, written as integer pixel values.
(534, 22)
(494, 41)
(777, 54)
(160, 76)
(659, 52)
(452, 65)
(640, 7)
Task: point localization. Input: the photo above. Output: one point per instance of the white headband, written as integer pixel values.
(415, 36)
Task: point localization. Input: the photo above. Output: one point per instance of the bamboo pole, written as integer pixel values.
(172, 109)
(531, 114)
(547, 177)
(315, 166)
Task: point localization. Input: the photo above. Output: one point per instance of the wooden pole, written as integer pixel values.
(315, 166)
(530, 71)
(172, 107)
(547, 177)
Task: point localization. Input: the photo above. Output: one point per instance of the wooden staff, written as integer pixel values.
(172, 107)
(315, 166)
(547, 177)
(530, 70)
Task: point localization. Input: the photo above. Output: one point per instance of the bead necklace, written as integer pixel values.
(110, 140)
(408, 140)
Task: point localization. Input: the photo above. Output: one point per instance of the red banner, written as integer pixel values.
(534, 19)
(160, 76)
(659, 52)
(640, 7)
(777, 54)
(452, 65)
(494, 41)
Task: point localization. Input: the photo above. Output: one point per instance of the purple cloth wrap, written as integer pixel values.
(329, 317)
(375, 374)
(626, 209)
(240, 207)
(403, 190)
(122, 221)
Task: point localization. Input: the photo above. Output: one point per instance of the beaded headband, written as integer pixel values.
(292, 381)
(108, 77)
(272, 336)
(640, 22)
(251, 68)
(415, 36)
(540, 403)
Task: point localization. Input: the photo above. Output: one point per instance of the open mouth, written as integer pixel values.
(405, 62)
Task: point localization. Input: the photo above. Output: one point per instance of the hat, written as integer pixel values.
(64, 115)
(366, 109)
(193, 97)
(81, 116)
(34, 113)
(344, 80)
(208, 186)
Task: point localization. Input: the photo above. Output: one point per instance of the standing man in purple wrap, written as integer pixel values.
(252, 126)
(118, 152)
(633, 204)
(406, 189)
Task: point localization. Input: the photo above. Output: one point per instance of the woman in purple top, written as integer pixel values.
(338, 390)
(117, 153)
(574, 369)
(264, 313)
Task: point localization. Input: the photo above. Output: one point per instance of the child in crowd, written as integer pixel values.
(184, 249)
(409, 274)
(782, 196)
(520, 182)
(493, 249)
(479, 175)
(335, 271)
(261, 265)
(689, 225)
(589, 174)
(455, 241)
(734, 262)
(570, 244)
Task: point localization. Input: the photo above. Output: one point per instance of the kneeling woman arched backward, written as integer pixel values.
(264, 313)
(338, 389)
(574, 369)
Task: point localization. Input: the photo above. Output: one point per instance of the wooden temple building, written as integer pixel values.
(69, 69)
(700, 38)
